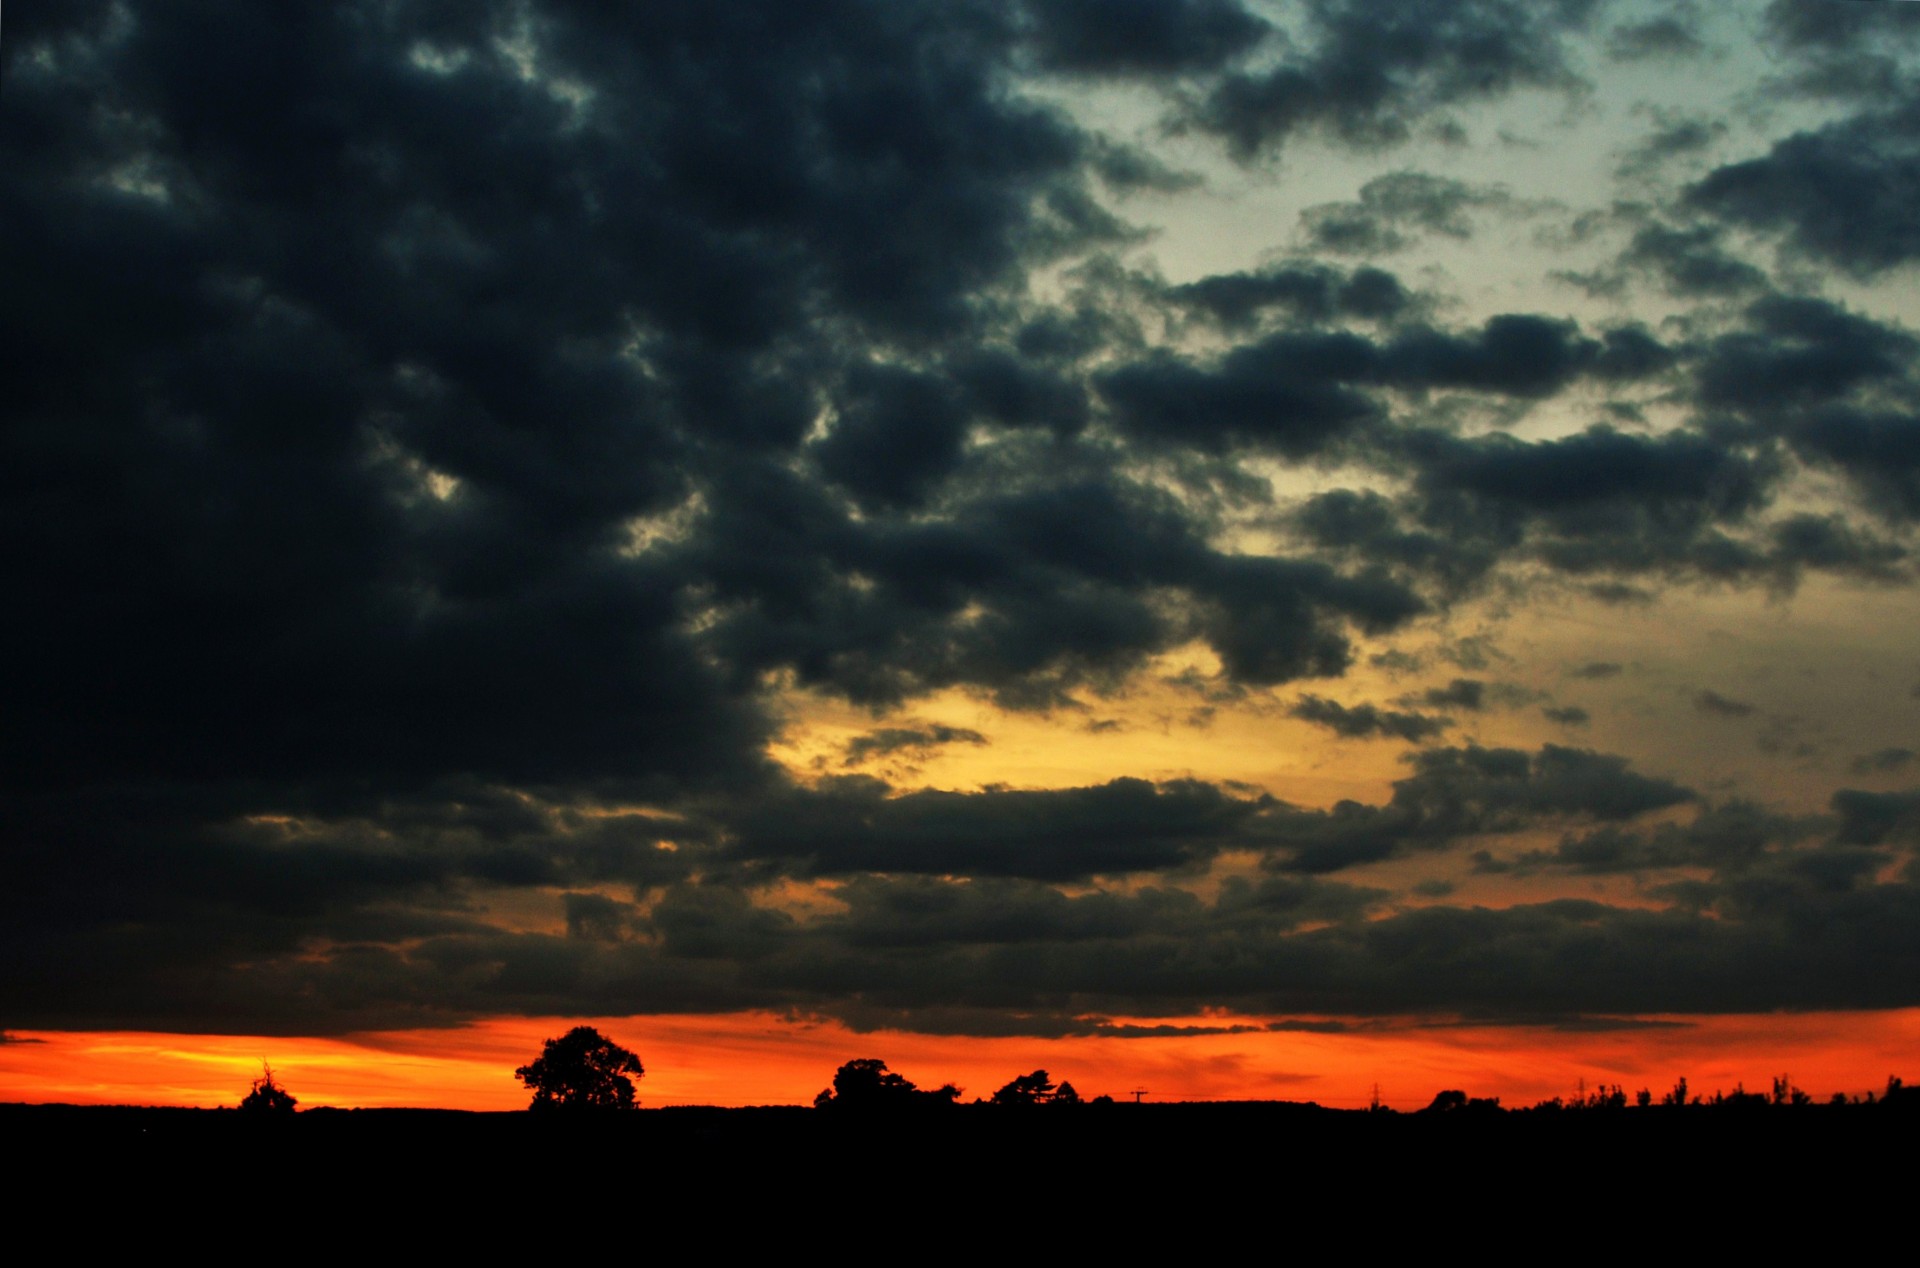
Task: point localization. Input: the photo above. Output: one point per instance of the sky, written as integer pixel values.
(1237, 548)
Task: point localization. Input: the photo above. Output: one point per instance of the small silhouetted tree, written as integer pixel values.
(1066, 1094)
(581, 1070)
(267, 1096)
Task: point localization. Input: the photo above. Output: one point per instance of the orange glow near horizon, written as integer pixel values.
(760, 1059)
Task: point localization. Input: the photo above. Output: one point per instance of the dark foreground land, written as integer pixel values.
(982, 1162)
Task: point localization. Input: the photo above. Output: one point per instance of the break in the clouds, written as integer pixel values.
(985, 517)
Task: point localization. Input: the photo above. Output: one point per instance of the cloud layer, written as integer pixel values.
(449, 449)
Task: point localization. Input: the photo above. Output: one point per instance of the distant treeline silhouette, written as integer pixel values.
(866, 1085)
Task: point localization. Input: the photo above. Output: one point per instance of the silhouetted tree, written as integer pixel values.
(1066, 1094)
(1028, 1089)
(1451, 1099)
(581, 1070)
(267, 1096)
(865, 1083)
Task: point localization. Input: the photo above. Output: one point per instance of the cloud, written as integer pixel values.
(440, 450)
(1141, 37)
(1834, 193)
(1365, 720)
(1390, 207)
(1886, 759)
(1301, 393)
(1366, 76)
(1712, 702)
(1657, 39)
(1873, 818)
(915, 740)
(1457, 793)
(1309, 291)
(853, 825)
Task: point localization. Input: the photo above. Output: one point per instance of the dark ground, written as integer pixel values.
(1144, 1161)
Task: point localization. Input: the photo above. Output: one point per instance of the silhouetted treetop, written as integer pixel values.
(267, 1096)
(582, 1070)
(866, 1084)
(1028, 1089)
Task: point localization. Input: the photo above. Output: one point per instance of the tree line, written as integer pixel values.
(583, 1071)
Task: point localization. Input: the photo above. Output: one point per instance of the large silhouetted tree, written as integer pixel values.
(582, 1070)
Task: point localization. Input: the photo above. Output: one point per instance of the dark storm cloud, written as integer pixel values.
(435, 436)
(1367, 75)
(898, 434)
(1140, 37)
(488, 247)
(344, 370)
(1598, 669)
(1028, 591)
(1363, 721)
(1567, 715)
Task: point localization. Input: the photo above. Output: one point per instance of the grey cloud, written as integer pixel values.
(1366, 720)
(1837, 194)
(1141, 37)
(1692, 261)
(1390, 207)
(1882, 760)
(1455, 793)
(1366, 75)
(917, 740)
(1714, 703)
(1663, 39)
(1309, 291)
(1299, 393)
(1127, 825)
(1462, 693)
(1868, 818)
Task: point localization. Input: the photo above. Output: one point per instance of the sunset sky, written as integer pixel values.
(1235, 548)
